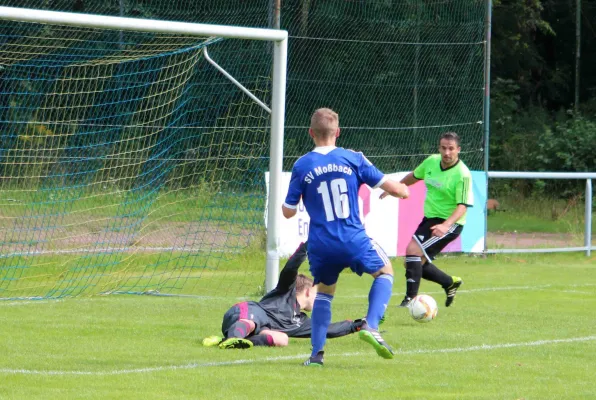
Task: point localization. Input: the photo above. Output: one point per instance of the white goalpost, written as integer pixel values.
(210, 33)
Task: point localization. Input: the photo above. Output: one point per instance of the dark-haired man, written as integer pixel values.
(448, 195)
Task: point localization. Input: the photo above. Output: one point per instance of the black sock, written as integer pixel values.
(240, 329)
(261, 340)
(413, 275)
(432, 273)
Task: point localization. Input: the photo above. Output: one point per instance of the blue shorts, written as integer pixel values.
(325, 267)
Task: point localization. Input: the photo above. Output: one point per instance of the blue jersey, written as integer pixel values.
(328, 180)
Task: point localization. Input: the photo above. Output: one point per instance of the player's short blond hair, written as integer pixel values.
(324, 123)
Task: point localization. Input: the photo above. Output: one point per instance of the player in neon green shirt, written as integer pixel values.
(449, 194)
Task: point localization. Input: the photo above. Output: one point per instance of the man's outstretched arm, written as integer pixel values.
(336, 329)
(410, 179)
(288, 274)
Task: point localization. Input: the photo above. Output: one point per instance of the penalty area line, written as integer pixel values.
(491, 289)
(12, 302)
(483, 347)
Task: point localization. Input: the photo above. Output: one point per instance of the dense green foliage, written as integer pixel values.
(533, 71)
(534, 125)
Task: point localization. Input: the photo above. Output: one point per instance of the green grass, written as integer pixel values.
(99, 207)
(539, 215)
(84, 210)
(529, 222)
(512, 305)
(209, 274)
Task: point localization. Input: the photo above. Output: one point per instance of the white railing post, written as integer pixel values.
(588, 219)
(588, 176)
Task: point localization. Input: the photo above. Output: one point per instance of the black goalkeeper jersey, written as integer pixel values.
(283, 309)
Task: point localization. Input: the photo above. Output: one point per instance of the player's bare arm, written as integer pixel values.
(395, 189)
(409, 179)
(288, 212)
(441, 229)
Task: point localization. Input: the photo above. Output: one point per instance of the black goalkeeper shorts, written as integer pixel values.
(245, 310)
(432, 245)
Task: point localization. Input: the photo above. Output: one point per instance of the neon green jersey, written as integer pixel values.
(445, 188)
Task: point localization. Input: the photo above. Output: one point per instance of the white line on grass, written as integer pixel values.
(486, 289)
(492, 289)
(26, 302)
(576, 291)
(484, 347)
(244, 298)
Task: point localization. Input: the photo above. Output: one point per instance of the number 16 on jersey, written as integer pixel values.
(336, 201)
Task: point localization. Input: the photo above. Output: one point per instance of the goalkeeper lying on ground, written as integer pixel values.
(278, 315)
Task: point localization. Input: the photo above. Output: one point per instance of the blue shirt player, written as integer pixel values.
(328, 179)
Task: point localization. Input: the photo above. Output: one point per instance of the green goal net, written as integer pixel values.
(399, 73)
(127, 162)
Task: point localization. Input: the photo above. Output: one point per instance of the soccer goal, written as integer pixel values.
(133, 154)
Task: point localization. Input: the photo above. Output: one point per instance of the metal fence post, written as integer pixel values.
(588, 176)
(588, 218)
(486, 107)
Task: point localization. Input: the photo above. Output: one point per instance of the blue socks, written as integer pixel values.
(321, 318)
(378, 299)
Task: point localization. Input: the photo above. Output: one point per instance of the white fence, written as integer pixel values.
(588, 176)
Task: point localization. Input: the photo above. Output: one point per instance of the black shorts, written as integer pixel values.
(432, 245)
(245, 310)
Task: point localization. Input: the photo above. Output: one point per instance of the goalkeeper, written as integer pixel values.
(279, 315)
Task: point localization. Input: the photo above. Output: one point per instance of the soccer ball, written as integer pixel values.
(423, 308)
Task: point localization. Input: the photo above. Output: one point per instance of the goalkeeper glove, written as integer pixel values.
(357, 325)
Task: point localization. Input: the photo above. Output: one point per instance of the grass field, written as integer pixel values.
(540, 215)
(81, 210)
(522, 327)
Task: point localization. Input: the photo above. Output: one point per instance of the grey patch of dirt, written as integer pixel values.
(171, 236)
